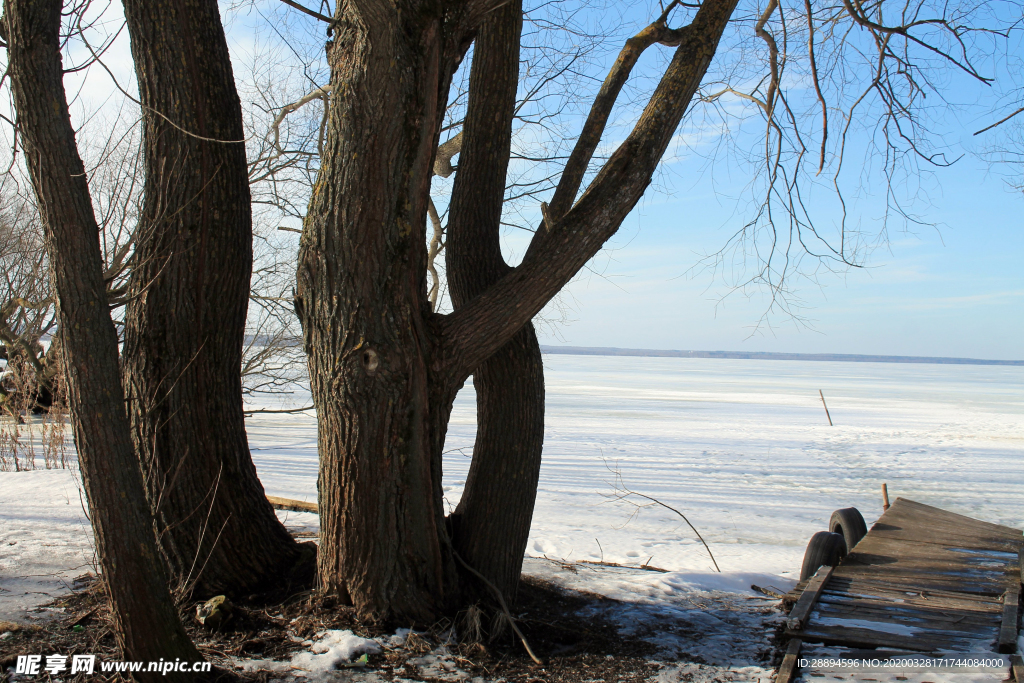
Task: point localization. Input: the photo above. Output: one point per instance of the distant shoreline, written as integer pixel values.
(757, 355)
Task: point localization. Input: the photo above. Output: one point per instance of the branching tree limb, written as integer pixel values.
(476, 331)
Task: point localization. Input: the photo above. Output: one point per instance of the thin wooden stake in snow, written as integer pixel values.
(826, 407)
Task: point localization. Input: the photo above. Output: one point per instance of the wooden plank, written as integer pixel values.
(289, 504)
(802, 609)
(913, 510)
(1008, 628)
(850, 636)
(910, 616)
(967, 550)
(1017, 667)
(968, 541)
(881, 587)
(882, 550)
(926, 581)
(925, 600)
(789, 663)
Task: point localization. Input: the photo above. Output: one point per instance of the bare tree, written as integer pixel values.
(187, 303)
(147, 623)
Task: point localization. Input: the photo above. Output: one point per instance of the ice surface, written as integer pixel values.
(45, 540)
(742, 447)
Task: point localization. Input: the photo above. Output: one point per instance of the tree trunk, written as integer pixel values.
(185, 323)
(146, 622)
(491, 525)
(366, 319)
(383, 368)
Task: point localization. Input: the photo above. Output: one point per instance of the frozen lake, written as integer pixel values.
(742, 447)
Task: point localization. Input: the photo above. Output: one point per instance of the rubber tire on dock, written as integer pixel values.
(850, 524)
(824, 548)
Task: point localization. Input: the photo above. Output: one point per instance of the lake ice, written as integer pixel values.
(742, 447)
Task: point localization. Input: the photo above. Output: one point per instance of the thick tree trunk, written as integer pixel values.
(147, 624)
(384, 369)
(362, 300)
(491, 525)
(185, 324)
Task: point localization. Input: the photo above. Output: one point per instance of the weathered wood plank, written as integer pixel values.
(967, 541)
(975, 622)
(878, 586)
(903, 507)
(854, 637)
(874, 596)
(789, 663)
(953, 551)
(289, 504)
(1017, 667)
(928, 581)
(1020, 562)
(1008, 628)
(802, 609)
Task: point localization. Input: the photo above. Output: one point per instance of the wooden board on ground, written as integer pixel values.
(923, 580)
(289, 504)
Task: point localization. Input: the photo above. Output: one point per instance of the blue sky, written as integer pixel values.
(951, 287)
(953, 290)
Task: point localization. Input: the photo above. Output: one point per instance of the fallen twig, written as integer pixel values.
(767, 591)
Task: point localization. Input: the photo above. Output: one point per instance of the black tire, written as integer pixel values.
(849, 523)
(824, 549)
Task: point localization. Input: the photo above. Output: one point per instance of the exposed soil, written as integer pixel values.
(573, 649)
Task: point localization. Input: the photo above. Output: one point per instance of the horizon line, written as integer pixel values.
(772, 355)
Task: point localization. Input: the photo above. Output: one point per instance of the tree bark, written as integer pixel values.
(491, 524)
(146, 622)
(185, 322)
(384, 369)
(366, 320)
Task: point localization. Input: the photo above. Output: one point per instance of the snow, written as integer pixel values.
(45, 540)
(741, 447)
(686, 615)
(332, 649)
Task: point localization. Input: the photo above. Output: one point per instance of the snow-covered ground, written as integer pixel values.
(45, 539)
(742, 447)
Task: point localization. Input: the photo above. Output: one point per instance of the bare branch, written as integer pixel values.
(1000, 121)
(309, 12)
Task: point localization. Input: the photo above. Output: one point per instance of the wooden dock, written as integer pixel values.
(923, 580)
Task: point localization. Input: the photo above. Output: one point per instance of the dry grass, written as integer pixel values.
(27, 431)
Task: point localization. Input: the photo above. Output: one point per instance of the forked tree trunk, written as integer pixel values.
(146, 623)
(384, 369)
(185, 323)
(491, 524)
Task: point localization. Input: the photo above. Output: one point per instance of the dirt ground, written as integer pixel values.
(573, 649)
